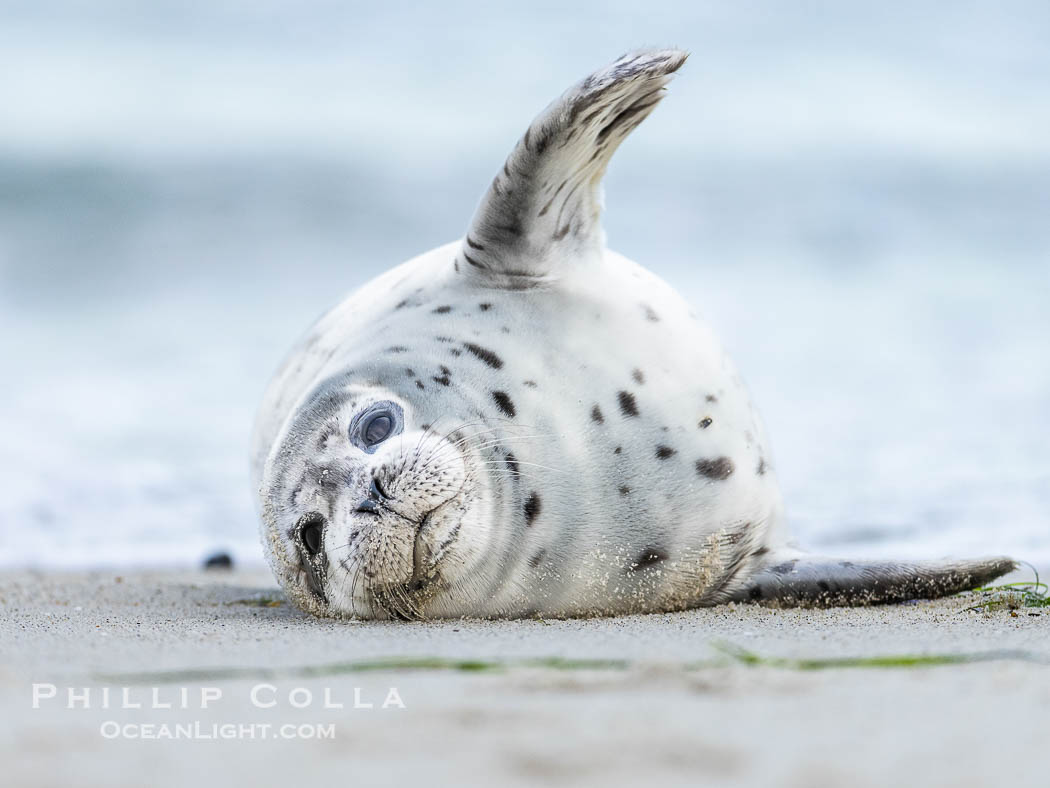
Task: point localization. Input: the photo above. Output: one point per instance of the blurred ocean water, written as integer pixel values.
(858, 200)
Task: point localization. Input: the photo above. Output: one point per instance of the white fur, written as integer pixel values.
(512, 495)
(579, 339)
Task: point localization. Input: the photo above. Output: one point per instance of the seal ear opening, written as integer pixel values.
(816, 581)
(544, 206)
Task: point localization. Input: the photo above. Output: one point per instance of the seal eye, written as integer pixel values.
(377, 423)
(378, 428)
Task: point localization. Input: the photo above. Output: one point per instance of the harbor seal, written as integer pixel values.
(525, 423)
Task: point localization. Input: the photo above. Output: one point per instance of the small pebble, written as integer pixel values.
(218, 561)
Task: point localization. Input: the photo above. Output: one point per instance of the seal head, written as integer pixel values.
(367, 504)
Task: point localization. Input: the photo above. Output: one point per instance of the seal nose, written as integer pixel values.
(311, 529)
(376, 495)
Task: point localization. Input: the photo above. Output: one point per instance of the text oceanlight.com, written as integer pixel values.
(110, 729)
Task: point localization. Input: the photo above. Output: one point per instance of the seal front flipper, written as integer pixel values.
(543, 208)
(817, 581)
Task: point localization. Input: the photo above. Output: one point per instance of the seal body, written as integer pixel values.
(523, 422)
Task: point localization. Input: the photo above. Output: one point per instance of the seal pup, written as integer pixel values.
(523, 422)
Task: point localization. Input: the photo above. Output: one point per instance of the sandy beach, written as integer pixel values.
(739, 695)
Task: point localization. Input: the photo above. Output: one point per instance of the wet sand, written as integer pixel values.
(737, 695)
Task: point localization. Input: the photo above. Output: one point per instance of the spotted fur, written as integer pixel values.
(572, 440)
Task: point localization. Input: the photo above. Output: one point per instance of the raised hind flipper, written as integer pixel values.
(543, 209)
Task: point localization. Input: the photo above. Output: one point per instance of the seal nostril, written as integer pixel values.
(377, 492)
(310, 531)
(368, 506)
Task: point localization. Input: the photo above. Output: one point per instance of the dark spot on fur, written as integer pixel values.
(442, 310)
(618, 450)
(530, 383)
(846, 564)
(784, 568)
(505, 329)
(401, 304)
(512, 463)
(720, 469)
(550, 202)
(761, 469)
(734, 537)
(397, 349)
(755, 592)
(445, 340)
(485, 355)
(532, 508)
(625, 490)
(484, 307)
(711, 398)
(514, 228)
(650, 556)
(410, 372)
(537, 559)
(456, 352)
(445, 376)
(543, 142)
(639, 376)
(664, 452)
(650, 314)
(705, 423)
(419, 385)
(760, 552)
(628, 406)
(503, 402)
(596, 415)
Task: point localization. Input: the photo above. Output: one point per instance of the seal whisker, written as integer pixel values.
(448, 449)
(524, 462)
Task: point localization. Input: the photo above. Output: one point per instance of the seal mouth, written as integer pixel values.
(403, 601)
(418, 579)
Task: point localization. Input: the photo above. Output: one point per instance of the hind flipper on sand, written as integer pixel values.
(818, 581)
